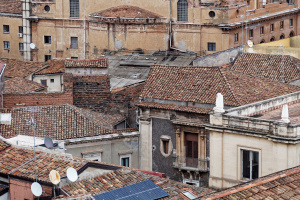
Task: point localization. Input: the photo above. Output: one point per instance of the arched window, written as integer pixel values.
(182, 11)
(272, 39)
(262, 41)
(292, 34)
(282, 36)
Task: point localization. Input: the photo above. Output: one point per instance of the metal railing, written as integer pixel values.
(193, 164)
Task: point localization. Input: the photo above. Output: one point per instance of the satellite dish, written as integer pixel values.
(32, 45)
(72, 174)
(54, 177)
(250, 43)
(36, 189)
(48, 142)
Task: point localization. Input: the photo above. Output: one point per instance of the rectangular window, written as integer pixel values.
(74, 42)
(236, 37)
(74, 58)
(21, 47)
(74, 8)
(191, 146)
(47, 57)
(165, 146)
(6, 45)
(52, 80)
(47, 39)
(20, 29)
(251, 33)
(250, 164)
(281, 25)
(44, 82)
(5, 28)
(211, 46)
(261, 30)
(291, 22)
(125, 161)
(272, 27)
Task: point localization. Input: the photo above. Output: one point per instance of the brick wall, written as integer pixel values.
(41, 98)
(91, 92)
(22, 190)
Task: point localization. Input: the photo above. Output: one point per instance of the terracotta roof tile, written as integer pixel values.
(201, 85)
(191, 109)
(283, 68)
(279, 185)
(21, 85)
(126, 12)
(3, 145)
(124, 177)
(60, 122)
(11, 6)
(20, 162)
(100, 63)
(17, 68)
(54, 66)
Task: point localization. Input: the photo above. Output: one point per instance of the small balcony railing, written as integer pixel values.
(191, 164)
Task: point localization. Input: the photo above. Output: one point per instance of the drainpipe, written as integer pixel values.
(84, 29)
(26, 29)
(139, 147)
(170, 31)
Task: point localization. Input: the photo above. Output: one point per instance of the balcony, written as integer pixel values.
(190, 164)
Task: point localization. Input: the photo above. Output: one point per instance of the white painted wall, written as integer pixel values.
(56, 86)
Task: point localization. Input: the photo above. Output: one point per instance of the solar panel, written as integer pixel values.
(145, 190)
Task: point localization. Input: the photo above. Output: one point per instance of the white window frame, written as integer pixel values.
(125, 156)
(240, 164)
(92, 156)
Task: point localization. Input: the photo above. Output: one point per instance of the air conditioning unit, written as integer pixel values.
(20, 34)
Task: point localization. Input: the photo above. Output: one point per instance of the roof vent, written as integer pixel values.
(189, 195)
(137, 75)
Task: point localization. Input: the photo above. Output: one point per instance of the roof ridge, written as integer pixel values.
(230, 88)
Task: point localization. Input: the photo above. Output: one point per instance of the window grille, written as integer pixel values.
(182, 11)
(74, 8)
(211, 46)
(74, 42)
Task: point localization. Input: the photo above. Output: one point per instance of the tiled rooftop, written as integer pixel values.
(126, 12)
(191, 109)
(280, 185)
(283, 68)
(3, 145)
(17, 68)
(54, 66)
(20, 162)
(275, 114)
(21, 85)
(11, 6)
(201, 85)
(59, 122)
(124, 177)
(100, 63)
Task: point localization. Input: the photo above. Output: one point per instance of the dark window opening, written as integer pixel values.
(6, 45)
(182, 11)
(291, 22)
(5, 28)
(20, 29)
(74, 42)
(250, 163)
(281, 24)
(21, 46)
(47, 57)
(262, 41)
(47, 8)
(292, 34)
(52, 80)
(272, 39)
(166, 146)
(272, 27)
(236, 37)
(74, 8)
(261, 30)
(125, 161)
(281, 36)
(212, 14)
(44, 82)
(211, 46)
(251, 33)
(191, 146)
(47, 39)
(75, 58)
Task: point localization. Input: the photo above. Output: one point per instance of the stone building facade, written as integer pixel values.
(86, 29)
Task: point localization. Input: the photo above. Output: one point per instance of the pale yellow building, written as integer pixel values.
(254, 140)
